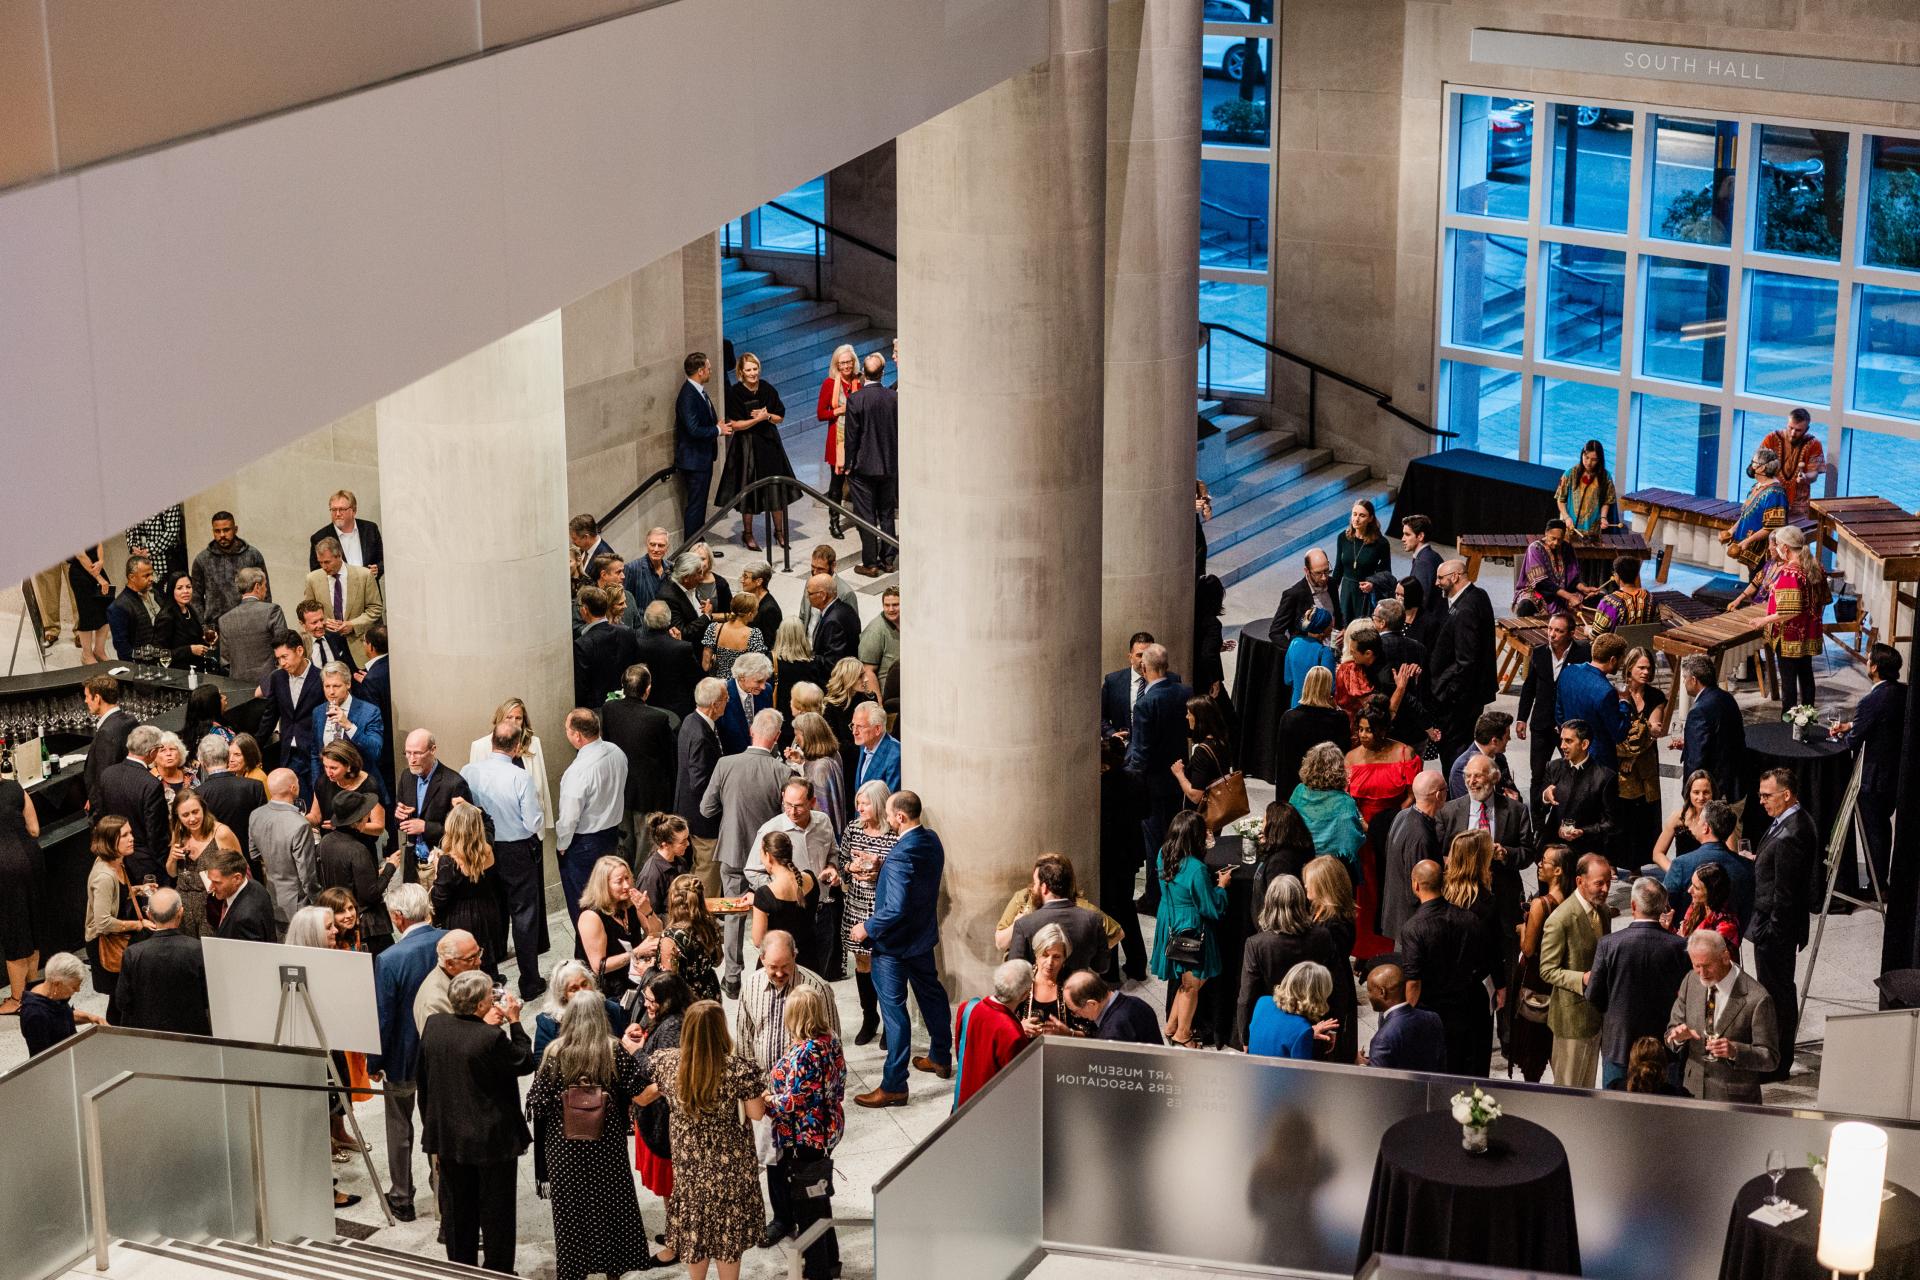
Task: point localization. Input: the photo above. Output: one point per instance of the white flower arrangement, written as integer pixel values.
(1477, 1109)
(1802, 716)
(1248, 828)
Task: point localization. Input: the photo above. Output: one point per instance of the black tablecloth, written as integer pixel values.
(1259, 697)
(1821, 771)
(1462, 491)
(1510, 1207)
(1754, 1251)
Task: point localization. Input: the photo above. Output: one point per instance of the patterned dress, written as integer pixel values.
(694, 963)
(1765, 508)
(808, 1086)
(1805, 455)
(723, 657)
(1793, 614)
(715, 1211)
(1544, 573)
(596, 1212)
(1586, 497)
(860, 843)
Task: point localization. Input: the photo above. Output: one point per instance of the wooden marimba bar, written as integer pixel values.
(1877, 545)
(1723, 638)
(1518, 637)
(1591, 551)
(1688, 527)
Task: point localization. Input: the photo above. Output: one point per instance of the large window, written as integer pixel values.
(1237, 64)
(771, 229)
(1672, 284)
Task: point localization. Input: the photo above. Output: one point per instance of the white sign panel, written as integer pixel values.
(1699, 64)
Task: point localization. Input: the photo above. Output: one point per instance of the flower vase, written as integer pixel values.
(1799, 733)
(1473, 1139)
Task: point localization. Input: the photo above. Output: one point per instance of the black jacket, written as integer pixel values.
(109, 747)
(468, 1074)
(293, 717)
(1462, 679)
(1295, 603)
(1129, 1019)
(601, 655)
(443, 788)
(1785, 858)
(162, 986)
(1086, 935)
(1445, 948)
(645, 735)
(370, 549)
(1636, 972)
(232, 798)
(675, 668)
(838, 635)
(343, 861)
(767, 619)
(1268, 958)
(1589, 798)
(1876, 730)
(873, 431)
(249, 915)
(128, 790)
(699, 753)
(1539, 697)
(1716, 740)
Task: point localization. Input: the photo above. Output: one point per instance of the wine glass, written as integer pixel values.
(1776, 1169)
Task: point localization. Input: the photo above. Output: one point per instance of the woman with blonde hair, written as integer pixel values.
(1467, 883)
(846, 689)
(1330, 902)
(754, 411)
(1796, 603)
(528, 753)
(1293, 1022)
(690, 941)
(715, 1213)
(793, 665)
(817, 753)
(1311, 721)
(616, 925)
(864, 845)
(468, 892)
(196, 833)
(806, 1092)
(732, 636)
(842, 380)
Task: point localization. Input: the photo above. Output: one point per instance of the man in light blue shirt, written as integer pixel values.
(505, 792)
(593, 799)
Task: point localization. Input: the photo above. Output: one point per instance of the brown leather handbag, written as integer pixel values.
(1225, 798)
(583, 1112)
(113, 946)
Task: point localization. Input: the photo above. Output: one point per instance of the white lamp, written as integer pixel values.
(1850, 1208)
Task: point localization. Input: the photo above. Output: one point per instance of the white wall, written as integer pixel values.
(167, 318)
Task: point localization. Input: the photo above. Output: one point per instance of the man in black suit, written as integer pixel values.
(678, 594)
(836, 624)
(1297, 602)
(132, 616)
(1540, 700)
(163, 977)
(1635, 973)
(873, 464)
(1446, 958)
(1786, 855)
(292, 694)
(698, 756)
(322, 645)
(1716, 736)
(1462, 677)
(468, 1075)
(696, 437)
(111, 726)
(602, 651)
(129, 790)
(1086, 930)
(423, 798)
(1582, 795)
(1158, 742)
(673, 663)
(1119, 690)
(375, 684)
(1397, 650)
(230, 797)
(645, 735)
(1875, 730)
(238, 906)
(1115, 1015)
(359, 539)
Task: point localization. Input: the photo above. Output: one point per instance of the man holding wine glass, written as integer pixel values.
(1723, 1022)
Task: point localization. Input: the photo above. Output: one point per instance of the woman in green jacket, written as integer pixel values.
(1191, 904)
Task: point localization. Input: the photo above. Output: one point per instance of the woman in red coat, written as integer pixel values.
(843, 379)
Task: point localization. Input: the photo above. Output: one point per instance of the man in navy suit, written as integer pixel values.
(1875, 729)
(835, 623)
(1115, 1015)
(1636, 972)
(397, 974)
(873, 464)
(343, 717)
(1119, 690)
(879, 750)
(1408, 1038)
(1540, 702)
(1158, 742)
(747, 696)
(323, 646)
(293, 695)
(1716, 736)
(696, 437)
(903, 931)
(375, 684)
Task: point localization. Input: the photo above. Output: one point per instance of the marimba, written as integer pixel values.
(1723, 638)
(1518, 637)
(1689, 528)
(1877, 545)
(1594, 551)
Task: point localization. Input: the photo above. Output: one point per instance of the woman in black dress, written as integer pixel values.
(23, 891)
(92, 593)
(343, 769)
(754, 411)
(616, 923)
(180, 629)
(1330, 898)
(467, 890)
(846, 689)
(787, 900)
(1209, 758)
(1305, 726)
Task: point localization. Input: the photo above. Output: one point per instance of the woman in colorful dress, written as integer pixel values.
(1332, 818)
(1380, 774)
(1628, 604)
(1549, 577)
(1362, 674)
(1794, 609)
(1764, 511)
(863, 847)
(806, 1091)
(842, 380)
(1192, 901)
(1586, 495)
(1360, 554)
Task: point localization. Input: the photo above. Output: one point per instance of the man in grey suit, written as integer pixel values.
(744, 794)
(248, 630)
(282, 841)
(1487, 806)
(1723, 1022)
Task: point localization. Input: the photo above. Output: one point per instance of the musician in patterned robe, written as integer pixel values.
(1802, 460)
(1765, 510)
(1625, 602)
(1549, 577)
(1794, 608)
(1586, 493)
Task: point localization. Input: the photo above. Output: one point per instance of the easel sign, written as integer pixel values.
(1845, 823)
(276, 994)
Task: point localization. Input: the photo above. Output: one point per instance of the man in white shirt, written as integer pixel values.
(508, 794)
(593, 799)
(359, 539)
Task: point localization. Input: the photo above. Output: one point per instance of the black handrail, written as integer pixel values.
(1248, 218)
(1316, 371)
(661, 476)
(833, 231)
(786, 544)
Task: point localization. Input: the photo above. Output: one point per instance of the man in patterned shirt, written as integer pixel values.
(1802, 460)
(1627, 604)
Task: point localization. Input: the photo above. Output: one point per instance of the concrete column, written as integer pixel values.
(475, 457)
(1001, 228)
(1153, 235)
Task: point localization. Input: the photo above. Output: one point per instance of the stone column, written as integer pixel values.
(475, 461)
(1001, 226)
(1153, 235)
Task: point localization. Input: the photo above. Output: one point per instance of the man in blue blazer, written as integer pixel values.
(1716, 736)
(1636, 973)
(1408, 1038)
(748, 694)
(1115, 1015)
(341, 716)
(879, 750)
(292, 694)
(903, 931)
(696, 438)
(1586, 692)
(1875, 730)
(1119, 690)
(1158, 742)
(397, 974)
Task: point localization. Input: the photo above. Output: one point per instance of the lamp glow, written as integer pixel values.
(1850, 1208)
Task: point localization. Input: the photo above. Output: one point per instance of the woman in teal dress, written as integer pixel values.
(1332, 817)
(1191, 901)
(1360, 553)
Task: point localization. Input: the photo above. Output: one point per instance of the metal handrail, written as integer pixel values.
(833, 231)
(1248, 218)
(786, 544)
(96, 1149)
(819, 248)
(1315, 371)
(797, 1263)
(661, 476)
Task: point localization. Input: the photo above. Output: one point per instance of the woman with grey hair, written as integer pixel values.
(1331, 815)
(1287, 938)
(568, 979)
(47, 1015)
(1764, 511)
(311, 927)
(864, 845)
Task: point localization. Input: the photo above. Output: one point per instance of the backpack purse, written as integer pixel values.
(583, 1112)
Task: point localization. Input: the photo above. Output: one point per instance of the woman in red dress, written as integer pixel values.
(1380, 774)
(1362, 674)
(843, 379)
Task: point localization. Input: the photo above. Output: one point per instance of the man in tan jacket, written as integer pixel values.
(349, 595)
(1572, 934)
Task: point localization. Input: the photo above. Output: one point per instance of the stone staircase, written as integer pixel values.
(1273, 497)
(793, 333)
(294, 1260)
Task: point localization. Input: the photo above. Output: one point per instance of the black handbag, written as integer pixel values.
(1187, 946)
(809, 1180)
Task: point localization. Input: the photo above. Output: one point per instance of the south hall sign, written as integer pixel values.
(1782, 73)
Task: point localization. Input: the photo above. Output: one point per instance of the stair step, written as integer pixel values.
(807, 367)
(736, 282)
(760, 299)
(819, 336)
(437, 1265)
(748, 329)
(204, 1260)
(1253, 517)
(1232, 458)
(1295, 535)
(1262, 481)
(1208, 409)
(277, 1260)
(1239, 426)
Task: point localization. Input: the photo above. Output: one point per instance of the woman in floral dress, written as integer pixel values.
(715, 1213)
(862, 849)
(806, 1091)
(693, 938)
